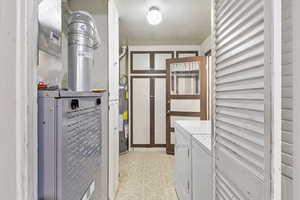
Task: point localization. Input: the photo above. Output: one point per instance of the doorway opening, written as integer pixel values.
(164, 78)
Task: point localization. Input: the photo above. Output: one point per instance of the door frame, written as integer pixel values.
(178, 53)
(202, 97)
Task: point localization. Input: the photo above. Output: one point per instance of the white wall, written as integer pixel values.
(206, 45)
(18, 103)
(51, 69)
(99, 72)
(165, 48)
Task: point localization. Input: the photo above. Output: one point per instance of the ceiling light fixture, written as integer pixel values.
(154, 16)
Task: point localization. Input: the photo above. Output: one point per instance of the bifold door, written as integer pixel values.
(243, 100)
(287, 100)
(148, 123)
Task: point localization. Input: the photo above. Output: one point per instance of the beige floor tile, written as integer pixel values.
(146, 176)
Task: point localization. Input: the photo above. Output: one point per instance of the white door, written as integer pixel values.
(113, 26)
(244, 99)
(287, 100)
(140, 111)
(113, 148)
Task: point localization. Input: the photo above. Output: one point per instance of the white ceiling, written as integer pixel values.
(185, 22)
(95, 7)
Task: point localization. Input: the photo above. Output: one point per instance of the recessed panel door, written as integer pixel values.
(140, 115)
(148, 111)
(160, 111)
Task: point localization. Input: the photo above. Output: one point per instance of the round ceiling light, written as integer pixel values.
(154, 16)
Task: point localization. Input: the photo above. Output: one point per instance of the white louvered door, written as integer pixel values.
(287, 101)
(242, 121)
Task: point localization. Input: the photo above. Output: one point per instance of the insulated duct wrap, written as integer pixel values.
(83, 39)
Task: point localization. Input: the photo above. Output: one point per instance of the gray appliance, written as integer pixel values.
(69, 144)
(83, 39)
(124, 126)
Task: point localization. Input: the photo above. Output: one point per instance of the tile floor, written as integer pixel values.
(146, 176)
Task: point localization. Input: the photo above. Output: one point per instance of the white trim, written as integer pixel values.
(165, 48)
(213, 110)
(26, 103)
(273, 97)
(276, 100)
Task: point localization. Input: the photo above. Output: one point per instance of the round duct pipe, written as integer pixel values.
(83, 39)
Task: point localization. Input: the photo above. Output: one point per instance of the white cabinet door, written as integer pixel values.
(245, 100)
(113, 27)
(113, 148)
(201, 167)
(287, 100)
(160, 111)
(140, 111)
(182, 165)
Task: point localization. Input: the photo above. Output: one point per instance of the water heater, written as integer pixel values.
(83, 39)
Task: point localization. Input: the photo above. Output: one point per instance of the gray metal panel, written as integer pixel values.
(102, 174)
(66, 94)
(240, 147)
(50, 27)
(46, 148)
(69, 147)
(287, 99)
(80, 147)
(48, 94)
(69, 93)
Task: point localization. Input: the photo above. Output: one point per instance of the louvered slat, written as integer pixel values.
(240, 100)
(287, 100)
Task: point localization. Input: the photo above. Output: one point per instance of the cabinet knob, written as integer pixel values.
(98, 101)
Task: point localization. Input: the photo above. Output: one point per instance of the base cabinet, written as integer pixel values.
(182, 164)
(201, 167)
(193, 161)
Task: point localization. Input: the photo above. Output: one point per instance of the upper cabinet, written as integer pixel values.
(149, 62)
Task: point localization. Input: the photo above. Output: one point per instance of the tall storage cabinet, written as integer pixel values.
(113, 32)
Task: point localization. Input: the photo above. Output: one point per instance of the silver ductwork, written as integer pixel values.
(83, 39)
(50, 27)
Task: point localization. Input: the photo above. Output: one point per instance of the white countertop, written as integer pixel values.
(199, 130)
(195, 127)
(204, 141)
